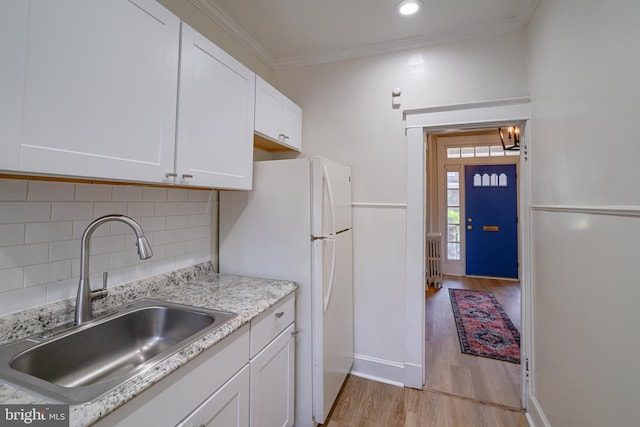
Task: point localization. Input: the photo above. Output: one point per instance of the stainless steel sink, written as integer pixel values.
(80, 363)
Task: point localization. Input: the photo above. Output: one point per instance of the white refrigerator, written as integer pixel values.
(295, 224)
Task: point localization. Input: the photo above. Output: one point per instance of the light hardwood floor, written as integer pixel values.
(461, 390)
(448, 369)
(366, 403)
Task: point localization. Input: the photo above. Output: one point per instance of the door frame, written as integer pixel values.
(418, 124)
(439, 144)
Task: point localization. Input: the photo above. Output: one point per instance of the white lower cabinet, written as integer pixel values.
(227, 407)
(245, 380)
(272, 382)
(273, 366)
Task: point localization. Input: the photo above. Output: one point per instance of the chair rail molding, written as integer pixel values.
(625, 211)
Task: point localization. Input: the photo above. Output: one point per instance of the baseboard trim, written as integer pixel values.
(413, 376)
(535, 416)
(381, 370)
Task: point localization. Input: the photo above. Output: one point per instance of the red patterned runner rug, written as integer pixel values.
(483, 326)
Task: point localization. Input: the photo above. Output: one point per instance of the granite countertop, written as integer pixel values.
(197, 286)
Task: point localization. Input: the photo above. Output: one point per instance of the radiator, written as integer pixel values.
(434, 260)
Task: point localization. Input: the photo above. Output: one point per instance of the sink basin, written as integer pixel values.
(81, 363)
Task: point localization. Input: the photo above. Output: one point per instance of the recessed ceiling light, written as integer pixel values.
(409, 7)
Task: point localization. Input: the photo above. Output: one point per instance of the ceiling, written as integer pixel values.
(293, 33)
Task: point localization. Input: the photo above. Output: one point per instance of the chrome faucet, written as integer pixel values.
(85, 293)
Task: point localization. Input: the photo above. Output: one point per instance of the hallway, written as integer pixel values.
(449, 370)
(460, 389)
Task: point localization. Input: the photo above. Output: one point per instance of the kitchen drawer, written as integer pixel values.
(268, 325)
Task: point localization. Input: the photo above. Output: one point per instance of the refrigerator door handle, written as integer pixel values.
(332, 236)
(327, 297)
(327, 181)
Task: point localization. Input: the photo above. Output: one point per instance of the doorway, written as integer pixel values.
(472, 201)
(419, 123)
(476, 213)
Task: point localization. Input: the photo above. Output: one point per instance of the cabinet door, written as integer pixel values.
(268, 110)
(272, 383)
(292, 124)
(13, 48)
(215, 116)
(227, 407)
(100, 89)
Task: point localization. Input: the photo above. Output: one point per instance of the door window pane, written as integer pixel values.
(453, 180)
(453, 251)
(453, 233)
(496, 150)
(453, 153)
(453, 197)
(453, 215)
(482, 151)
(468, 152)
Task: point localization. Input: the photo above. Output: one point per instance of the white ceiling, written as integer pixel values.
(290, 33)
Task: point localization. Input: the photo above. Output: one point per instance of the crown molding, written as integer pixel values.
(434, 39)
(218, 16)
(525, 12)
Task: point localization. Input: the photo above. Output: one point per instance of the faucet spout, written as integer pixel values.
(144, 248)
(85, 293)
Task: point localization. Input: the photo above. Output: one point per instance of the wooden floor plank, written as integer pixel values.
(367, 403)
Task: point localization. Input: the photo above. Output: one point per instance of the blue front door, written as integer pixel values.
(491, 221)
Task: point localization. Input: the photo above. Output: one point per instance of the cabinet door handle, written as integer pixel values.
(170, 175)
(282, 136)
(279, 314)
(186, 176)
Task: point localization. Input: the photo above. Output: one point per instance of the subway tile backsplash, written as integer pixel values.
(41, 223)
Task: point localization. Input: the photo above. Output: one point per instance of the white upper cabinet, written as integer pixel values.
(110, 90)
(13, 48)
(277, 118)
(100, 88)
(215, 116)
(292, 123)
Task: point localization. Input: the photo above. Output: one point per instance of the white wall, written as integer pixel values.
(348, 116)
(41, 223)
(584, 72)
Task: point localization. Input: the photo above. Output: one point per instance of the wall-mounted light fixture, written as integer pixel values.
(513, 138)
(409, 7)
